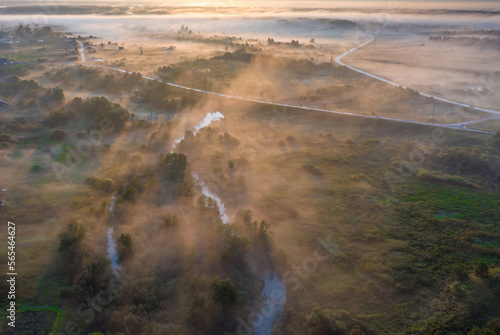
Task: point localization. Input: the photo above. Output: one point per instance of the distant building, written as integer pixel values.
(120, 48)
(3, 104)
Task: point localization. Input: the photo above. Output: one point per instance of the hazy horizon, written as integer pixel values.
(441, 4)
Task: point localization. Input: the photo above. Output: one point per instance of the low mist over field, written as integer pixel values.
(249, 167)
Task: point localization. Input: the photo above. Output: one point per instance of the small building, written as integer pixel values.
(3, 104)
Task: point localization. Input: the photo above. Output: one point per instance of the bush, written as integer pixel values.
(175, 166)
(425, 175)
(110, 116)
(130, 193)
(57, 135)
(224, 292)
(322, 322)
(36, 168)
(60, 117)
(124, 246)
(6, 138)
(55, 94)
(459, 273)
(107, 185)
(171, 220)
(482, 270)
(73, 233)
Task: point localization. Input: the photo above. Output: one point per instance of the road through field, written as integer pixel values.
(459, 126)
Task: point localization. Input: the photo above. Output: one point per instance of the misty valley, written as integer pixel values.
(242, 168)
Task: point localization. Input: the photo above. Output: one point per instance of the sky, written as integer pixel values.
(271, 3)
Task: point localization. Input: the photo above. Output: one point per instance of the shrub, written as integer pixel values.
(482, 270)
(171, 220)
(55, 94)
(108, 185)
(59, 117)
(224, 292)
(459, 273)
(403, 167)
(57, 135)
(130, 193)
(175, 166)
(36, 168)
(73, 233)
(6, 138)
(124, 246)
(322, 322)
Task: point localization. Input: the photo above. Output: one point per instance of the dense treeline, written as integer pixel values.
(189, 287)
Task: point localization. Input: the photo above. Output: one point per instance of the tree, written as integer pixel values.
(130, 193)
(481, 270)
(57, 135)
(459, 273)
(101, 110)
(124, 246)
(322, 322)
(175, 166)
(312, 41)
(55, 94)
(73, 233)
(224, 292)
(107, 185)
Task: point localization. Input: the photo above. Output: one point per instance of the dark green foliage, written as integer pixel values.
(202, 312)
(238, 55)
(60, 117)
(322, 322)
(130, 193)
(107, 185)
(234, 250)
(482, 270)
(111, 117)
(224, 292)
(6, 138)
(425, 175)
(124, 246)
(171, 221)
(174, 165)
(186, 190)
(36, 168)
(205, 202)
(57, 135)
(459, 273)
(472, 160)
(73, 233)
(260, 230)
(76, 104)
(15, 86)
(54, 94)
(94, 275)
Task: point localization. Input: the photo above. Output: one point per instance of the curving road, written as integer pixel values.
(460, 126)
(338, 60)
